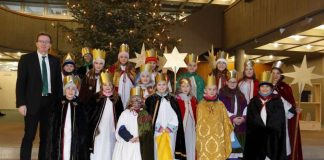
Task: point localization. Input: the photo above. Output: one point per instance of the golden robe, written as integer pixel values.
(213, 131)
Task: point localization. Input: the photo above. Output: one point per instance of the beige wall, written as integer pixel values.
(319, 69)
(7, 91)
(245, 21)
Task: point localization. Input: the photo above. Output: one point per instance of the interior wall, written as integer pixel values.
(201, 30)
(7, 89)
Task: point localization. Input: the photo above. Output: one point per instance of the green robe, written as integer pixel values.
(199, 83)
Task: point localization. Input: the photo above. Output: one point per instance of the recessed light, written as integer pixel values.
(309, 47)
(276, 45)
(320, 27)
(257, 61)
(297, 37)
(19, 53)
(271, 56)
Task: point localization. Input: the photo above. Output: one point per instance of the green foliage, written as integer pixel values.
(106, 24)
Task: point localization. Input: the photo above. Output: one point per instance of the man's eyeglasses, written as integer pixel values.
(44, 42)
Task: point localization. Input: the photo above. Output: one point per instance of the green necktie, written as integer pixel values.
(44, 77)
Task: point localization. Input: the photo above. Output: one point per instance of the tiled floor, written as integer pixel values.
(11, 131)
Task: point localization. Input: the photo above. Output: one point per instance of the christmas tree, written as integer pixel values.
(106, 24)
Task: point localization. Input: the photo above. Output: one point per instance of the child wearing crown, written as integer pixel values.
(249, 84)
(134, 130)
(221, 71)
(265, 124)
(145, 81)
(197, 83)
(87, 62)
(68, 69)
(105, 108)
(124, 74)
(68, 129)
(213, 127)
(91, 83)
(169, 142)
(235, 104)
(187, 104)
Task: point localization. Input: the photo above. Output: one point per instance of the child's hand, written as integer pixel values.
(134, 140)
(168, 130)
(160, 130)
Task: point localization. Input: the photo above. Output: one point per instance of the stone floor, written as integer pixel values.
(11, 131)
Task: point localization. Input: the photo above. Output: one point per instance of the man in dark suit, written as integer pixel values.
(39, 86)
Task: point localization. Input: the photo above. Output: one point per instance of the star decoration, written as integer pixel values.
(302, 75)
(211, 57)
(140, 58)
(175, 60)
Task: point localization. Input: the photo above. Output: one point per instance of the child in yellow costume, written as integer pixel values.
(213, 126)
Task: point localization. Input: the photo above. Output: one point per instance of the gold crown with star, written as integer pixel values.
(222, 54)
(69, 57)
(70, 79)
(124, 48)
(106, 78)
(98, 54)
(151, 53)
(160, 77)
(136, 91)
(185, 81)
(85, 50)
(266, 77)
(211, 80)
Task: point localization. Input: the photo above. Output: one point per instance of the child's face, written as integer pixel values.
(153, 65)
(276, 75)
(145, 78)
(68, 68)
(98, 65)
(221, 66)
(249, 72)
(136, 103)
(265, 89)
(232, 83)
(211, 90)
(161, 87)
(192, 67)
(70, 92)
(107, 87)
(87, 58)
(185, 88)
(123, 59)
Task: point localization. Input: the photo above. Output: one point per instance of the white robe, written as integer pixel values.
(67, 134)
(124, 87)
(247, 88)
(166, 116)
(127, 150)
(189, 127)
(105, 141)
(193, 86)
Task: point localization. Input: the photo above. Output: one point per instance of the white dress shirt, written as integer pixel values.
(40, 59)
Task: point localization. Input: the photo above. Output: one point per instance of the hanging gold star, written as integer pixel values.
(140, 58)
(175, 60)
(302, 75)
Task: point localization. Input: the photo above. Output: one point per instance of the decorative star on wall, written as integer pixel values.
(175, 60)
(140, 58)
(302, 75)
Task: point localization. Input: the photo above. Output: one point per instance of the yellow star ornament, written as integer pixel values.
(302, 75)
(175, 60)
(140, 58)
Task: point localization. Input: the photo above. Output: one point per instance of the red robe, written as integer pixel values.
(182, 106)
(285, 91)
(117, 72)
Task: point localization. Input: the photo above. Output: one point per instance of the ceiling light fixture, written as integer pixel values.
(257, 61)
(276, 45)
(297, 37)
(309, 47)
(320, 27)
(271, 56)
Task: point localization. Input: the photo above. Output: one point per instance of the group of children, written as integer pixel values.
(121, 115)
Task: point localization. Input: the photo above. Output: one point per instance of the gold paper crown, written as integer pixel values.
(277, 64)
(222, 54)
(136, 91)
(98, 53)
(106, 78)
(124, 48)
(151, 53)
(232, 74)
(70, 79)
(160, 77)
(184, 81)
(68, 57)
(211, 58)
(249, 63)
(146, 68)
(266, 77)
(85, 50)
(192, 58)
(211, 80)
